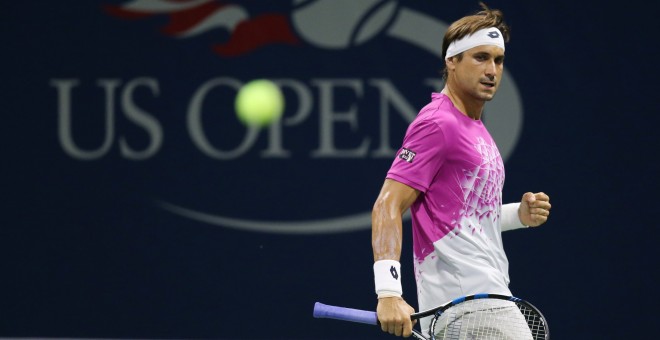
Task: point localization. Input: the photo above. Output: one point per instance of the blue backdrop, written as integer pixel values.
(137, 206)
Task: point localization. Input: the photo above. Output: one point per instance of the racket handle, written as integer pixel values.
(345, 314)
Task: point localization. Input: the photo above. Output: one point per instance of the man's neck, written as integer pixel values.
(468, 106)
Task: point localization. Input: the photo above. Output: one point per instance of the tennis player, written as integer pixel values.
(450, 174)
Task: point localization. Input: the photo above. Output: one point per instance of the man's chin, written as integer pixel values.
(487, 96)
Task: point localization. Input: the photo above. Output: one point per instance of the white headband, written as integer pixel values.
(486, 36)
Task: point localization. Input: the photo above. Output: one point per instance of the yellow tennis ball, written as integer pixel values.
(259, 103)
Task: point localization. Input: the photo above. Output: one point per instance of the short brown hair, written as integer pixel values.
(470, 24)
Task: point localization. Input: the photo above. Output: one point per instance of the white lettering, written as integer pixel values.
(390, 95)
(304, 101)
(328, 116)
(64, 109)
(141, 118)
(340, 105)
(195, 126)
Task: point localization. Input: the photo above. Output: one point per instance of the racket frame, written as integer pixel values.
(349, 314)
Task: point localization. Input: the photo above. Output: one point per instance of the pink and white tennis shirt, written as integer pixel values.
(454, 162)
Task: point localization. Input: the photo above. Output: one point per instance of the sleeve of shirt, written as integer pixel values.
(421, 156)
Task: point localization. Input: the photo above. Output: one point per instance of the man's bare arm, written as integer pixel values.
(387, 235)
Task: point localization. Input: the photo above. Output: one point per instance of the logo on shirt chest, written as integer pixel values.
(407, 155)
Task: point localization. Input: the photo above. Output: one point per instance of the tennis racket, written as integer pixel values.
(479, 316)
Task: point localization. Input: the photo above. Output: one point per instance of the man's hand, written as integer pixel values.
(534, 209)
(394, 316)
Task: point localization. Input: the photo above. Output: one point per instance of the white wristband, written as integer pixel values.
(509, 217)
(387, 276)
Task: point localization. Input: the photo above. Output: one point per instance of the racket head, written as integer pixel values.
(487, 316)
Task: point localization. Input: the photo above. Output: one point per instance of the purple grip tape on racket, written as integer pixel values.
(346, 314)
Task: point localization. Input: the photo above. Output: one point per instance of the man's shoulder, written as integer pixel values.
(437, 112)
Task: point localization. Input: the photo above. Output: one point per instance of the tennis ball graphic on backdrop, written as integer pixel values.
(360, 21)
(259, 103)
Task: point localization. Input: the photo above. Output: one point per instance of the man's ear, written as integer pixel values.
(450, 63)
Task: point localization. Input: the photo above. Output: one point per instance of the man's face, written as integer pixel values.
(479, 73)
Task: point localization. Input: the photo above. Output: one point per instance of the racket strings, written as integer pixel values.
(535, 321)
(488, 319)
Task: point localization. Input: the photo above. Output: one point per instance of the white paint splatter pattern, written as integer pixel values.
(482, 189)
(481, 193)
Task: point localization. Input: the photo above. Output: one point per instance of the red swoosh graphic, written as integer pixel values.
(252, 34)
(120, 12)
(184, 20)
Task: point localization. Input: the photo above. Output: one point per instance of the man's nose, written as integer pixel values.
(491, 70)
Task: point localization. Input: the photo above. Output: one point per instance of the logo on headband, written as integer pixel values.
(494, 34)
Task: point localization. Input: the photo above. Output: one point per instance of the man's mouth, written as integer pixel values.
(488, 84)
